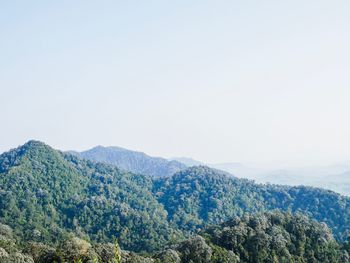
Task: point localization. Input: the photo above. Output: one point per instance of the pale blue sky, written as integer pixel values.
(245, 81)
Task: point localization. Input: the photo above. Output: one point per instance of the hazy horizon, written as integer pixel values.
(246, 82)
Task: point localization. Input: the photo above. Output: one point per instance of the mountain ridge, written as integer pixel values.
(133, 161)
(53, 193)
(46, 191)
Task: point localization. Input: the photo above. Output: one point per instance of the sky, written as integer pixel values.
(219, 81)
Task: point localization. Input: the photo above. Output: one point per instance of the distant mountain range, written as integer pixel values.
(133, 161)
(333, 177)
(139, 162)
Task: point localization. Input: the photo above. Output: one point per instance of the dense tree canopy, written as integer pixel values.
(262, 238)
(46, 196)
(200, 195)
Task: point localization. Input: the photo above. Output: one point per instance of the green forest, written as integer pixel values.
(59, 207)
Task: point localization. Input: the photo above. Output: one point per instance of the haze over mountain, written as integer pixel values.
(136, 162)
(335, 177)
(187, 161)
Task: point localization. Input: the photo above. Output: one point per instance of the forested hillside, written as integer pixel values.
(200, 195)
(44, 194)
(136, 162)
(270, 237)
(277, 237)
(47, 195)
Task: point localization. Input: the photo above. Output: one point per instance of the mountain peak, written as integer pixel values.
(29, 147)
(101, 148)
(136, 162)
(33, 150)
(35, 143)
(32, 155)
(34, 146)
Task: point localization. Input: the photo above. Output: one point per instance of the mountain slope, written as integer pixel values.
(136, 162)
(267, 237)
(276, 237)
(44, 194)
(200, 195)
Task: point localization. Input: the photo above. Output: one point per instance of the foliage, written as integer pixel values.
(45, 195)
(200, 196)
(276, 237)
(9, 251)
(261, 238)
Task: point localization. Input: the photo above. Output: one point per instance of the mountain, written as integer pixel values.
(200, 195)
(236, 169)
(46, 194)
(334, 177)
(136, 162)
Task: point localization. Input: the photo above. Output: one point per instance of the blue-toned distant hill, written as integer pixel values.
(136, 162)
(187, 161)
(335, 177)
